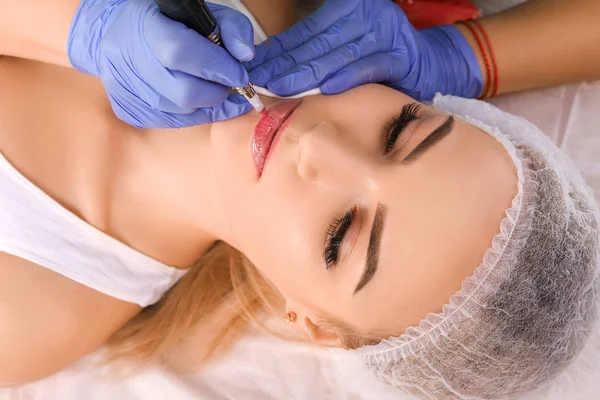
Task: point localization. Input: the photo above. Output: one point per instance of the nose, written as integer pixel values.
(326, 157)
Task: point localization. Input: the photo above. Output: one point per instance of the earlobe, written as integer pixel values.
(322, 335)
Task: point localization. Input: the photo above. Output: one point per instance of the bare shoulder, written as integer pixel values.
(49, 321)
(274, 16)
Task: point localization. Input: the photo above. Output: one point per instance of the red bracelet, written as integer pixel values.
(486, 61)
(492, 56)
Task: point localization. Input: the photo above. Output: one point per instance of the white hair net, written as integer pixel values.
(528, 309)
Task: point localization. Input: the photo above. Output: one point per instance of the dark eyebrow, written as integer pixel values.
(434, 137)
(374, 246)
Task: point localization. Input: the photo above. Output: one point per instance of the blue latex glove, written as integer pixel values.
(347, 43)
(157, 72)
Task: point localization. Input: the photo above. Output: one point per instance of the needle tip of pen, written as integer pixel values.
(257, 104)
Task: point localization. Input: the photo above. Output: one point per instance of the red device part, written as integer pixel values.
(428, 13)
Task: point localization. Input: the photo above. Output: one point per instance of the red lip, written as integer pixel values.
(266, 130)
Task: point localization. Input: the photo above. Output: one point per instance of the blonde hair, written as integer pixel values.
(207, 312)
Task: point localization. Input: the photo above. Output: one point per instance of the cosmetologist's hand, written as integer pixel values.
(347, 43)
(157, 72)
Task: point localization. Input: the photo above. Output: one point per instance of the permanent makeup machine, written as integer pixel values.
(196, 15)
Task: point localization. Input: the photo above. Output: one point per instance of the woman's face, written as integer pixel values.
(351, 225)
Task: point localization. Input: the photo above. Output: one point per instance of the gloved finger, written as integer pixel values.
(186, 92)
(137, 91)
(267, 50)
(169, 91)
(181, 49)
(234, 106)
(372, 69)
(161, 103)
(312, 74)
(122, 111)
(337, 35)
(316, 23)
(136, 113)
(236, 31)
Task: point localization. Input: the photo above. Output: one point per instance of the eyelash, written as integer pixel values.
(335, 235)
(396, 126)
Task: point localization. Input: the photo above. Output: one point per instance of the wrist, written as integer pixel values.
(477, 52)
(459, 66)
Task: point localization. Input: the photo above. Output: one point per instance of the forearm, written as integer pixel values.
(36, 29)
(543, 43)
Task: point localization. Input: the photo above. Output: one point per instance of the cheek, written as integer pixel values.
(234, 172)
(361, 114)
(281, 254)
(282, 232)
(230, 143)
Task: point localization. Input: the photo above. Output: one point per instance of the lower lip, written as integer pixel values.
(267, 132)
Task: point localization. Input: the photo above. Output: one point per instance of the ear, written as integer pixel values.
(322, 335)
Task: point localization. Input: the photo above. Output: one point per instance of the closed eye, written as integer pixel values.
(394, 128)
(335, 236)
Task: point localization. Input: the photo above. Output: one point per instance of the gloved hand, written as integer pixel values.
(157, 72)
(346, 43)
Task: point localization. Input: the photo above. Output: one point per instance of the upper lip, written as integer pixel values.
(266, 130)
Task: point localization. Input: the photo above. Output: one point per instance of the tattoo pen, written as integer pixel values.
(196, 15)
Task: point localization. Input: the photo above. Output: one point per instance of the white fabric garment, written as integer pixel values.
(35, 227)
(266, 92)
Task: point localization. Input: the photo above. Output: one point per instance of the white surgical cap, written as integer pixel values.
(529, 307)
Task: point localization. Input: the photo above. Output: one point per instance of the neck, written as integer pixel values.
(169, 179)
